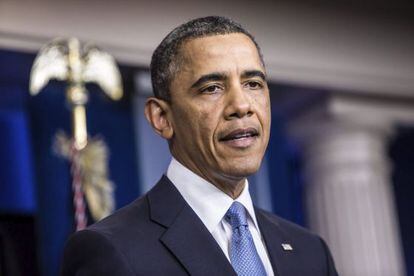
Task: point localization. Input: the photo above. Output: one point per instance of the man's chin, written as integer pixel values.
(242, 168)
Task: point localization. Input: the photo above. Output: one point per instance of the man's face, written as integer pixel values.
(220, 110)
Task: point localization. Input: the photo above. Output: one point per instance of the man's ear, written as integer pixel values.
(156, 112)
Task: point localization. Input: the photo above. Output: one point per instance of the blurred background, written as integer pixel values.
(341, 155)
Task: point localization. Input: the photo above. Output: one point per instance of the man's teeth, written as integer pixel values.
(243, 135)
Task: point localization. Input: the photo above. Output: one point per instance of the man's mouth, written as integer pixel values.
(240, 138)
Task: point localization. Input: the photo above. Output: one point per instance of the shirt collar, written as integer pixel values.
(207, 201)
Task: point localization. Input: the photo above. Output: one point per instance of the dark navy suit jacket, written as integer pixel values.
(159, 234)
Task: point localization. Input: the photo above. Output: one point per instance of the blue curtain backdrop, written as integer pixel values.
(284, 172)
(35, 181)
(402, 155)
(17, 189)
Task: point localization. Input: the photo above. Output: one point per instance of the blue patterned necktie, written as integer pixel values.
(243, 255)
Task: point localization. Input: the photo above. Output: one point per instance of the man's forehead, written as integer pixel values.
(220, 52)
(217, 44)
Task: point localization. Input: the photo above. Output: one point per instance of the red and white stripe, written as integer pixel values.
(81, 221)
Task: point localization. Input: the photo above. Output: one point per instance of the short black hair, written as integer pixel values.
(166, 57)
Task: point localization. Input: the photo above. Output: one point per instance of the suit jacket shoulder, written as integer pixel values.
(118, 243)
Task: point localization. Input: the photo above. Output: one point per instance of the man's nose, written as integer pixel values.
(238, 103)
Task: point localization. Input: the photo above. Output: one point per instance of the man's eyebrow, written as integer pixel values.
(253, 73)
(216, 76)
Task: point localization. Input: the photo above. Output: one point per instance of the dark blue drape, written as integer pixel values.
(284, 172)
(402, 154)
(17, 189)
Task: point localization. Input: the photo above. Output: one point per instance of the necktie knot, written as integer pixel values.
(236, 215)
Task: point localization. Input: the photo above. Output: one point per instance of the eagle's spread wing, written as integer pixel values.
(50, 63)
(101, 68)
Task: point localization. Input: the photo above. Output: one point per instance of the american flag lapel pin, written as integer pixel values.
(287, 247)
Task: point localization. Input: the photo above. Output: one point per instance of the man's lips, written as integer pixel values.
(240, 138)
(240, 133)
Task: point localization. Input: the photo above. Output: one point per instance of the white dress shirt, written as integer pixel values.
(211, 204)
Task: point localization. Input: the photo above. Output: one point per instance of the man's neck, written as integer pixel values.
(232, 186)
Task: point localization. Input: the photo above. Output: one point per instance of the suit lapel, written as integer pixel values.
(274, 237)
(186, 236)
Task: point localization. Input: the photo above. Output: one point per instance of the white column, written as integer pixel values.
(350, 201)
(349, 195)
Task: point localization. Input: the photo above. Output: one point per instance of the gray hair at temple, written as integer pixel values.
(166, 58)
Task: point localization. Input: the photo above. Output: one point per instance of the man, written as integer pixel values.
(212, 106)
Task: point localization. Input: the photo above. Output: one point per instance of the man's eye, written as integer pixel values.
(254, 85)
(210, 89)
